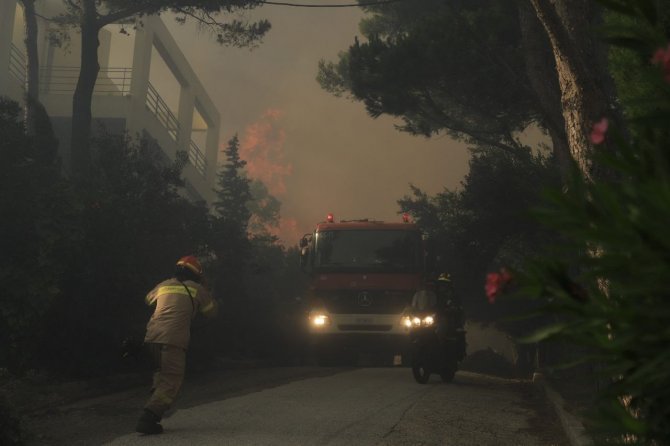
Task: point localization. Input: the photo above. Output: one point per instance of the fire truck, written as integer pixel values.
(363, 275)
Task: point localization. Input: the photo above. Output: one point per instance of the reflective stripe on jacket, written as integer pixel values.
(175, 309)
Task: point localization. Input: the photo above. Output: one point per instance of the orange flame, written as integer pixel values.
(287, 231)
(262, 146)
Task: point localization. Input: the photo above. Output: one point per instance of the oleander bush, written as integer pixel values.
(606, 284)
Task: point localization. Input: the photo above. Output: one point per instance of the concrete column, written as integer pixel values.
(7, 12)
(185, 117)
(139, 84)
(212, 151)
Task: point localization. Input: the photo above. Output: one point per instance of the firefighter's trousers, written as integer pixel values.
(169, 362)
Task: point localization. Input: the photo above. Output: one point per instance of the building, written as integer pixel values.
(127, 97)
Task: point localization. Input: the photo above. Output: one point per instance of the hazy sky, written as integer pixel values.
(319, 153)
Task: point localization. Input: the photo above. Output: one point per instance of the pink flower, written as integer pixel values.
(662, 57)
(495, 283)
(598, 131)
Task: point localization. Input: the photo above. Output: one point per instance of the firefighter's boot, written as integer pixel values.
(149, 423)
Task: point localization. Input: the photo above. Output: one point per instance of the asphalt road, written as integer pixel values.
(370, 406)
(314, 406)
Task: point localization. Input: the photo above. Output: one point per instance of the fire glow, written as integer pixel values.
(262, 147)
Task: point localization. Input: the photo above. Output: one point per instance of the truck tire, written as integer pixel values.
(420, 369)
(421, 373)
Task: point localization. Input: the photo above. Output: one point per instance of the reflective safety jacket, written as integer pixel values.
(175, 309)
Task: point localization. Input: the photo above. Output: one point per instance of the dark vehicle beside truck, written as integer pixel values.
(436, 327)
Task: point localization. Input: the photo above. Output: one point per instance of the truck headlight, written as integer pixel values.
(410, 321)
(416, 321)
(319, 320)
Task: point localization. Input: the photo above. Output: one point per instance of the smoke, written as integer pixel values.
(288, 231)
(262, 147)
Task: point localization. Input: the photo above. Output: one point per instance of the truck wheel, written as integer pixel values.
(421, 373)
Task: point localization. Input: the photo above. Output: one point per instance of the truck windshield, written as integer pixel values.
(381, 250)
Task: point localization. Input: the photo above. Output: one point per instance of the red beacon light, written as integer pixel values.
(405, 217)
(330, 218)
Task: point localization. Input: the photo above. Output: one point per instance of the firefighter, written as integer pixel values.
(178, 300)
(449, 301)
(451, 319)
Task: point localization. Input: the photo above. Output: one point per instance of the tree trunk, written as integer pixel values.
(83, 94)
(586, 93)
(32, 65)
(541, 71)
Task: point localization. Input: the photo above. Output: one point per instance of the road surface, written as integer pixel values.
(368, 406)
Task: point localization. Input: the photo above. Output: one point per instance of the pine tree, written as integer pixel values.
(233, 191)
(230, 245)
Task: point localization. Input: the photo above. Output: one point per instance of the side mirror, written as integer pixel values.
(304, 255)
(304, 241)
(304, 251)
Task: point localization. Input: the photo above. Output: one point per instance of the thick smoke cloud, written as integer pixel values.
(324, 154)
(262, 147)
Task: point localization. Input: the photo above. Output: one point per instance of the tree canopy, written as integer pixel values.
(486, 222)
(455, 67)
(233, 192)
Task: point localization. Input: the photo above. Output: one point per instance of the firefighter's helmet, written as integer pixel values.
(191, 263)
(444, 277)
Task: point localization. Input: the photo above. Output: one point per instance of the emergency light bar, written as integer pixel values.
(330, 218)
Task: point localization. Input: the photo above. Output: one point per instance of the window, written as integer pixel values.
(373, 250)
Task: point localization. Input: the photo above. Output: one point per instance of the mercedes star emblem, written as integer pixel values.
(364, 299)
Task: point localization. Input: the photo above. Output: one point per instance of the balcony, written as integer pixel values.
(112, 81)
(131, 93)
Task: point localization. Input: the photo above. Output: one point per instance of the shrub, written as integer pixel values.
(606, 284)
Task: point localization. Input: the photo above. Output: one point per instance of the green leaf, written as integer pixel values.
(544, 333)
(632, 43)
(621, 7)
(577, 362)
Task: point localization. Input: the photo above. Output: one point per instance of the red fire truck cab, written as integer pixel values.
(363, 276)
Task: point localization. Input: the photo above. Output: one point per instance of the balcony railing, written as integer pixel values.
(112, 81)
(162, 112)
(63, 79)
(17, 64)
(169, 121)
(197, 158)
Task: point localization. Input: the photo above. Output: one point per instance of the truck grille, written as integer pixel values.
(352, 327)
(367, 301)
